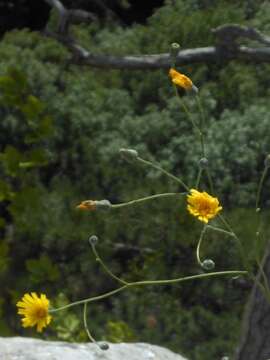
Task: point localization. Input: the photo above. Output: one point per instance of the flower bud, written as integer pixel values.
(175, 47)
(208, 264)
(93, 240)
(203, 163)
(104, 346)
(267, 161)
(103, 205)
(129, 154)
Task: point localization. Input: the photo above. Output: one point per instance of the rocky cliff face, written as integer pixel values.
(19, 348)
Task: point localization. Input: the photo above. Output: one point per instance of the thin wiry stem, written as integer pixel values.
(106, 269)
(198, 178)
(199, 245)
(85, 324)
(88, 300)
(232, 234)
(146, 198)
(199, 103)
(205, 228)
(258, 196)
(183, 105)
(155, 166)
(210, 181)
(151, 282)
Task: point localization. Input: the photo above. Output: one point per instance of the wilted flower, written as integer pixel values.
(202, 205)
(34, 310)
(88, 205)
(92, 205)
(182, 80)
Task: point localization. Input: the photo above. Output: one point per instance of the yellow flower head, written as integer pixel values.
(181, 80)
(34, 310)
(88, 205)
(202, 205)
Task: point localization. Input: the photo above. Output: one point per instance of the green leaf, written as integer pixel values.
(4, 258)
(5, 192)
(11, 158)
(42, 270)
(119, 331)
(32, 108)
(34, 158)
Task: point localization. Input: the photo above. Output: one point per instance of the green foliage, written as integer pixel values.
(24, 116)
(42, 270)
(61, 129)
(4, 257)
(68, 327)
(119, 331)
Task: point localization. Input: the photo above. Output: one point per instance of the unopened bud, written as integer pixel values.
(103, 205)
(174, 52)
(175, 47)
(203, 163)
(93, 240)
(104, 346)
(129, 154)
(267, 161)
(208, 264)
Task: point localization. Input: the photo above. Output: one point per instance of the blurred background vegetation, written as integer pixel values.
(61, 129)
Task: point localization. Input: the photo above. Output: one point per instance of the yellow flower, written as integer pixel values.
(34, 310)
(181, 80)
(202, 205)
(88, 205)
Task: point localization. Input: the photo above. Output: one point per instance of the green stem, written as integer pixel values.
(85, 323)
(88, 300)
(199, 245)
(264, 290)
(150, 282)
(265, 280)
(258, 196)
(198, 178)
(195, 126)
(239, 242)
(207, 226)
(149, 163)
(106, 269)
(199, 103)
(226, 224)
(187, 278)
(232, 234)
(151, 197)
(202, 143)
(210, 181)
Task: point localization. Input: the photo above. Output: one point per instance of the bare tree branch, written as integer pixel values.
(67, 17)
(229, 33)
(225, 49)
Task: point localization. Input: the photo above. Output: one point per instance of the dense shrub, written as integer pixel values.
(94, 113)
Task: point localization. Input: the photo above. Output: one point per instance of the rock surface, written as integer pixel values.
(19, 348)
